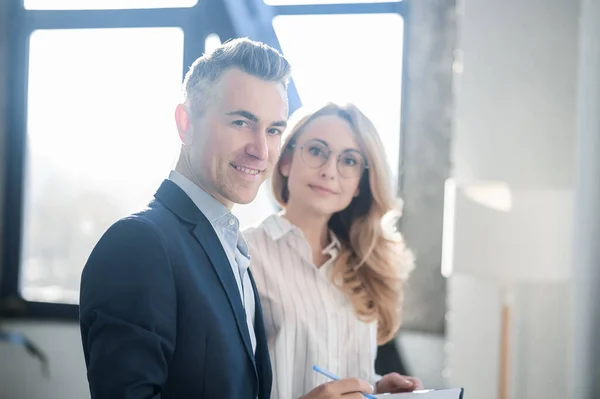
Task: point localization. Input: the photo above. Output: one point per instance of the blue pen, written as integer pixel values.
(336, 378)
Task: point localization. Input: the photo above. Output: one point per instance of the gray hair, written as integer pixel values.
(254, 58)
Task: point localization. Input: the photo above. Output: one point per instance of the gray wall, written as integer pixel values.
(586, 273)
(3, 99)
(426, 147)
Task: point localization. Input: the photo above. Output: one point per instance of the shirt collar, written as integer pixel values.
(217, 214)
(277, 227)
(333, 249)
(208, 205)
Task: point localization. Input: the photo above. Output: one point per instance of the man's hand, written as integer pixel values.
(350, 388)
(397, 383)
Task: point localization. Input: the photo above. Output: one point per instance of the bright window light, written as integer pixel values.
(356, 58)
(100, 139)
(305, 2)
(105, 4)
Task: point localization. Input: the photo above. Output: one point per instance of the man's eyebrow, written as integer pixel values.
(282, 124)
(251, 117)
(246, 114)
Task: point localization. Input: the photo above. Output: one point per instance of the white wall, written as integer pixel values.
(516, 100)
(21, 375)
(516, 121)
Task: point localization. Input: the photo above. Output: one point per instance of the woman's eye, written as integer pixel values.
(316, 151)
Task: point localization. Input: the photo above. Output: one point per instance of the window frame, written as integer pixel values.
(227, 18)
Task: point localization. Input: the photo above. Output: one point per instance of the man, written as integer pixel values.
(168, 306)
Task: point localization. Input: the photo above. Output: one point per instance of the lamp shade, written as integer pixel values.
(509, 234)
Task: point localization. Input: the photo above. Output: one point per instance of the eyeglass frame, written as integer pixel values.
(337, 163)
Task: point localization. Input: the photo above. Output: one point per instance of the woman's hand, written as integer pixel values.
(350, 388)
(397, 383)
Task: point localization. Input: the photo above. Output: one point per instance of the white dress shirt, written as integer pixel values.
(308, 320)
(227, 228)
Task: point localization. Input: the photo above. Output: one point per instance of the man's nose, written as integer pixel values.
(258, 147)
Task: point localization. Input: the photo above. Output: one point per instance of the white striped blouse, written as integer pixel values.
(308, 319)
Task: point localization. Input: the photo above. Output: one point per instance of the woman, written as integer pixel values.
(330, 267)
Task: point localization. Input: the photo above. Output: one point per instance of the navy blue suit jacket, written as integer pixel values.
(160, 312)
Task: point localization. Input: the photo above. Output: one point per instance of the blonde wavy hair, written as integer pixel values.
(374, 262)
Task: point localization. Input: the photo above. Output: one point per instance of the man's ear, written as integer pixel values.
(183, 121)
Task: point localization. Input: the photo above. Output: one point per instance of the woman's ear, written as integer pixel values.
(285, 164)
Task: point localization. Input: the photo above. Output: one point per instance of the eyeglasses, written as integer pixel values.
(315, 154)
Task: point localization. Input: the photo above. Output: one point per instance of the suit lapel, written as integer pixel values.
(209, 240)
(263, 361)
(175, 199)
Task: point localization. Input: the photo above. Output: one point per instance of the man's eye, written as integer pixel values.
(274, 131)
(240, 123)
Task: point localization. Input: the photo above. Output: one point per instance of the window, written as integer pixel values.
(104, 4)
(333, 60)
(211, 42)
(100, 139)
(93, 89)
(308, 2)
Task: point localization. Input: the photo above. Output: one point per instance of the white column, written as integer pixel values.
(586, 269)
(516, 122)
